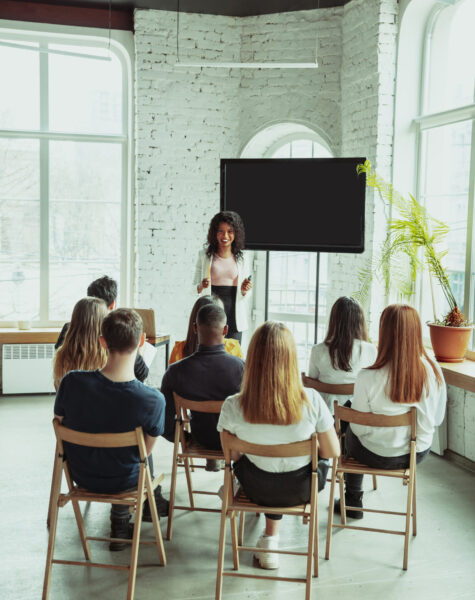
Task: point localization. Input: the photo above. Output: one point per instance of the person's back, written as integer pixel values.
(208, 374)
(111, 401)
(92, 403)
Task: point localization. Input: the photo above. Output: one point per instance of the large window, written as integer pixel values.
(64, 147)
(447, 146)
(293, 275)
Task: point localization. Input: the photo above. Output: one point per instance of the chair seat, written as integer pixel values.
(242, 503)
(352, 463)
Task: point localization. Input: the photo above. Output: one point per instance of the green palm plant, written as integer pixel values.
(409, 247)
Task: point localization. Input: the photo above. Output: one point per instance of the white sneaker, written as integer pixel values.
(268, 560)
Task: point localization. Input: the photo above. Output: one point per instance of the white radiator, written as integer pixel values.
(27, 368)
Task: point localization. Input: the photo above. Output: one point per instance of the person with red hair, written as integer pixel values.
(403, 376)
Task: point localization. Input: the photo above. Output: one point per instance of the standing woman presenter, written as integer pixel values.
(222, 269)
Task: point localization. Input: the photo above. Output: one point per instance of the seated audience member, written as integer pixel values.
(190, 345)
(111, 400)
(81, 348)
(402, 376)
(208, 374)
(105, 288)
(344, 352)
(274, 408)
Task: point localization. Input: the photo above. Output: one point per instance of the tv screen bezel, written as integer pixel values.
(355, 249)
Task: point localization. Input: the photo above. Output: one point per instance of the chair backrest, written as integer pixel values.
(205, 406)
(308, 447)
(407, 419)
(100, 440)
(148, 318)
(336, 389)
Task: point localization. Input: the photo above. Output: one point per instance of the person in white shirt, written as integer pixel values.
(344, 352)
(274, 408)
(403, 376)
(222, 269)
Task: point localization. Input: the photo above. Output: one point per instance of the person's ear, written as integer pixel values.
(142, 340)
(195, 327)
(225, 330)
(103, 342)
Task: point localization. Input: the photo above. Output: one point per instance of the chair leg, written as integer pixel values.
(56, 488)
(414, 511)
(410, 492)
(188, 482)
(172, 493)
(79, 519)
(341, 481)
(242, 520)
(311, 540)
(136, 537)
(155, 519)
(375, 483)
(222, 534)
(48, 518)
(330, 511)
(234, 541)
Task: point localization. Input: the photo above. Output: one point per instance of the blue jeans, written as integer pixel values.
(354, 448)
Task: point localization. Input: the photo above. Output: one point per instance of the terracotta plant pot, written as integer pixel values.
(449, 343)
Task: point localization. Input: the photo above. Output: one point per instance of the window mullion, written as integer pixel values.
(44, 187)
(469, 257)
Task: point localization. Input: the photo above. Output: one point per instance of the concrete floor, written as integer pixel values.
(362, 565)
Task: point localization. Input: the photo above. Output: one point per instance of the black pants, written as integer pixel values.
(121, 511)
(354, 448)
(227, 293)
(278, 489)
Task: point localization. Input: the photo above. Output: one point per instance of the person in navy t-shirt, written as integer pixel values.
(112, 400)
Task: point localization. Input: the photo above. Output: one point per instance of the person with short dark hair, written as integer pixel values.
(105, 288)
(208, 374)
(112, 400)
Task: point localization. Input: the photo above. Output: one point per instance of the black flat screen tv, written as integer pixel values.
(297, 203)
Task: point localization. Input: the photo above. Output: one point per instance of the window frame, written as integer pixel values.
(120, 43)
(426, 121)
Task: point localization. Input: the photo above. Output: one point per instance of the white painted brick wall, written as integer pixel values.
(187, 119)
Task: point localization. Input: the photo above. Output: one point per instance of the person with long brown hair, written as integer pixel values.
(402, 376)
(344, 352)
(273, 407)
(189, 346)
(81, 348)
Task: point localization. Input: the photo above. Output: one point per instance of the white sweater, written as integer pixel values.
(203, 271)
(371, 395)
(320, 367)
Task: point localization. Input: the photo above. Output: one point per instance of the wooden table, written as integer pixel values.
(40, 335)
(161, 339)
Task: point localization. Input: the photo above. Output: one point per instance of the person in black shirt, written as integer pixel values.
(105, 288)
(208, 374)
(111, 400)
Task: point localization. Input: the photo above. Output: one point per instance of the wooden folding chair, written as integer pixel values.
(189, 451)
(134, 499)
(339, 389)
(239, 503)
(344, 465)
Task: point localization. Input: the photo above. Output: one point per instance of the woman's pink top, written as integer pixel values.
(224, 271)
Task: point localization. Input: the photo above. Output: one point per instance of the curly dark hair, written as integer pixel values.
(233, 219)
(104, 288)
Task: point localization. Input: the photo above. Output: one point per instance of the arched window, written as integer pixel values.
(446, 136)
(64, 170)
(292, 294)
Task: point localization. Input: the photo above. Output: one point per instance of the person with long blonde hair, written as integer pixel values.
(402, 376)
(273, 407)
(81, 349)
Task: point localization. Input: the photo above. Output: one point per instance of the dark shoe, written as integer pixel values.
(356, 500)
(162, 506)
(120, 528)
(214, 465)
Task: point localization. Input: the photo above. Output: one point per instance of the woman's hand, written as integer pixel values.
(203, 285)
(246, 285)
(307, 381)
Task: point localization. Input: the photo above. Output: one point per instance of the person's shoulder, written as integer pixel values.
(148, 392)
(313, 397)
(368, 347)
